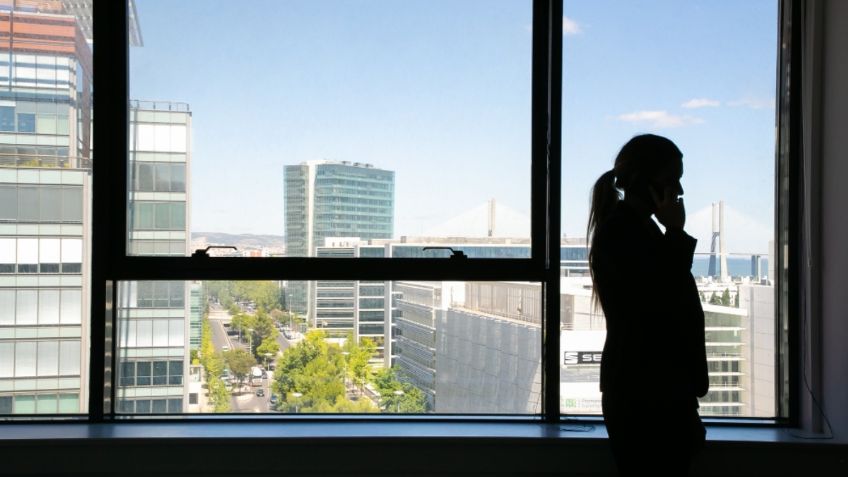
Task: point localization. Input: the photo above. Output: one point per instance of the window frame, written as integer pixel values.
(112, 264)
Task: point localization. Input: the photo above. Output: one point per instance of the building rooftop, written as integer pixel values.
(156, 105)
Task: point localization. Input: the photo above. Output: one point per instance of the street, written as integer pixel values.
(243, 399)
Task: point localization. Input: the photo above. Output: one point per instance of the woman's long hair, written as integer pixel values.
(642, 158)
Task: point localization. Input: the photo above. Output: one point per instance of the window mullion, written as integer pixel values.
(108, 208)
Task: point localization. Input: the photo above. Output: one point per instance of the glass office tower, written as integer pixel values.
(45, 180)
(326, 199)
(154, 326)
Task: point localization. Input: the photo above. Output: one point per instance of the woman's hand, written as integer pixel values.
(669, 208)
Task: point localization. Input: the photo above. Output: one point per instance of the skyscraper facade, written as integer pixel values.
(325, 199)
(154, 317)
(45, 179)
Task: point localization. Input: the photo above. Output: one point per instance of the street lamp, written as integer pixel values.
(250, 338)
(296, 396)
(398, 393)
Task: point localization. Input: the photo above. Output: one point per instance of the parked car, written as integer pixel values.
(274, 400)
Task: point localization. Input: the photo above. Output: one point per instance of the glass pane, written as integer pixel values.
(351, 123)
(48, 307)
(25, 358)
(45, 185)
(422, 347)
(8, 202)
(712, 92)
(69, 358)
(48, 358)
(69, 403)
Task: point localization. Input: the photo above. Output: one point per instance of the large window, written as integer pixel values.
(394, 202)
(703, 75)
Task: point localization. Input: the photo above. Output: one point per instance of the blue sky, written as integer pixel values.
(439, 91)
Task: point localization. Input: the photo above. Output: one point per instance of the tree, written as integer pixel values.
(243, 322)
(411, 400)
(269, 346)
(736, 300)
(263, 325)
(703, 298)
(715, 299)
(278, 316)
(239, 361)
(218, 395)
(358, 359)
(725, 297)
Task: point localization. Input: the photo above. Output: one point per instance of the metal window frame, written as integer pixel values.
(110, 263)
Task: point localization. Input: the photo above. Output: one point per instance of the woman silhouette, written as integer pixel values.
(654, 364)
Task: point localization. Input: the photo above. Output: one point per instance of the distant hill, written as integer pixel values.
(242, 241)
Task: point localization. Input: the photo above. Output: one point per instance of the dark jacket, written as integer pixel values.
(655, 346)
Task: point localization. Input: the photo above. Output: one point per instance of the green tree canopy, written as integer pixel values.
(411, 400)
(725, 297)
(239, 361)
(269, 346)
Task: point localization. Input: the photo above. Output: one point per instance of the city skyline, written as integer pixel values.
(378, 99)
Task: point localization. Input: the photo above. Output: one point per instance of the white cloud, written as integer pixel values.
(659, 119)
(700, 103)
(570, 27)
(753, 103)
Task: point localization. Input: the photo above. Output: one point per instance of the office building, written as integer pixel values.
(325, 199)
(154, 317)
(45, 190)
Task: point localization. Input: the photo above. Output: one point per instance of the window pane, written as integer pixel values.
(162, 177)
(447, 347)
(28, 204)
(160, 373)
(347, 95)
(27, 307)
(7, 118)
(48, 307)
(7, 307)
(126, 374)
(712, 92)
(69, 358)
(160, 333)
(71, 251)
(26, 123)
(69, 404)
(72, 202)
(49, 250)
(51, 204)
(8, 201)
(27, 252)
(25, 359)
(24, 405)
(177, 177)
(8, 254)
(48, 358)
(7, 360)
(71, 307)
(46, 404)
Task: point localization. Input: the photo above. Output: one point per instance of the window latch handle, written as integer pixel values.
(455, 254)
(204, 252)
